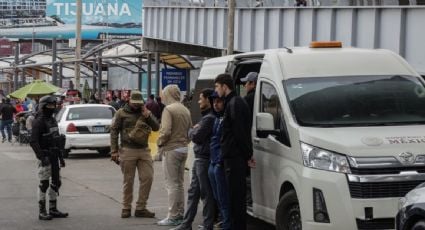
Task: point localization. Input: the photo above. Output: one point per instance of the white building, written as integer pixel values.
(19, 12)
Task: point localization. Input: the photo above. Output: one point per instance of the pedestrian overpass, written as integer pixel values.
(201, 29)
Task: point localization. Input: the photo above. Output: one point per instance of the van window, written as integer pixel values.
(270, 103)
(357, 100)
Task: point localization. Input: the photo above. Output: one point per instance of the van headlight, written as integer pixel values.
(318, 158)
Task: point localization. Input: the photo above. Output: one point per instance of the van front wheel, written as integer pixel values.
(420, 225)
(288, 215)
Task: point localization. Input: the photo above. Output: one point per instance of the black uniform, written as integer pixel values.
(48, 144)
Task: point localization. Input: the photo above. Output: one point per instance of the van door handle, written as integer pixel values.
(256, 140)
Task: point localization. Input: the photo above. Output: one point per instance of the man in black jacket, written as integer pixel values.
(7, 110)
(236, 146)
(200, 187)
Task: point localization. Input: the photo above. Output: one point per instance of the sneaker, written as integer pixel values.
(170, 222)
(3, 140)
(144, 213)
(125, 213)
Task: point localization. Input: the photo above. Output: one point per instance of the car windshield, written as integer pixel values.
(357, 100)
(83, 113)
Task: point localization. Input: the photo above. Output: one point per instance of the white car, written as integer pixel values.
(86, 126)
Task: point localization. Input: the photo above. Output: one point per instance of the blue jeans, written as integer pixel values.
(219, 187)
(8, 126)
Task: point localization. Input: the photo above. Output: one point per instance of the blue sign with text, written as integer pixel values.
(174, 76)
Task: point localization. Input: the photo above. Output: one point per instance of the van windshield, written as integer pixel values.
(357, 100)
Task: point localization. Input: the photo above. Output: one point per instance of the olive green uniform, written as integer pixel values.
(133, 155)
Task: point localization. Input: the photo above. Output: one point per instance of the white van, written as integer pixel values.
(338, 134)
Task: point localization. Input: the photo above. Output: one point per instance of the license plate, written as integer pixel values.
(98, 129)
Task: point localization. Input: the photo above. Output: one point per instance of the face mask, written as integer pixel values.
(49, 109)
(48, 112)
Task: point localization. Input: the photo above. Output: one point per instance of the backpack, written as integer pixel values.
(140, 133)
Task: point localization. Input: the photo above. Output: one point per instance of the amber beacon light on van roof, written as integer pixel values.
(326, 44)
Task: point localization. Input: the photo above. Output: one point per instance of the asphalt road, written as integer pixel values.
(91, 193)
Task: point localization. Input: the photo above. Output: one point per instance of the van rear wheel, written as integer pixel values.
(288, 215)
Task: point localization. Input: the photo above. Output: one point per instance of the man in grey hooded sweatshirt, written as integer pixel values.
(172, 143)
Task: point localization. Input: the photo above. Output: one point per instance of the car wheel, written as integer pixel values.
(420, 225)
(288, 215)
(104, 152)
(65, 153)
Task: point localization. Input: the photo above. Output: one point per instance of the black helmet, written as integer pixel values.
(46, 100)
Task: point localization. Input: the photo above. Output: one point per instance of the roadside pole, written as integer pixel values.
(16, 74)
(54, 64)
(157, 72)
(99, 75)
(78, 45)
(230, 27)
(149, 67)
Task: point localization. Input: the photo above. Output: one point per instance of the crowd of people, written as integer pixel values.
(18, 111)
(8, 112)
(222, 148)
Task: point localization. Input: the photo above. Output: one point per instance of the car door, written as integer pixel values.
(270, 151)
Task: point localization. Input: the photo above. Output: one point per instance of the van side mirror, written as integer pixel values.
(265, 125)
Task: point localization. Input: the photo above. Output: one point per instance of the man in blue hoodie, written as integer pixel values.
(216, 170)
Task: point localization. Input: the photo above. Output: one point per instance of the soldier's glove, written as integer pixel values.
(115, 157)
(45, 161)
(62, 163)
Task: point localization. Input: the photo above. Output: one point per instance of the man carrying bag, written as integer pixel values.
(133, 124)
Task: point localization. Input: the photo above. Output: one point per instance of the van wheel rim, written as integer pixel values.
(295, 218)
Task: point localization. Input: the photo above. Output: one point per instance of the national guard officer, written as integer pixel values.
(48, 144)
(133, 124)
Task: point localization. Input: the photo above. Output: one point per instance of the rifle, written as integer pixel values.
(56, 143)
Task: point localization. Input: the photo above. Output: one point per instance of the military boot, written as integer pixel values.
(54, 212)
(43, 215)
